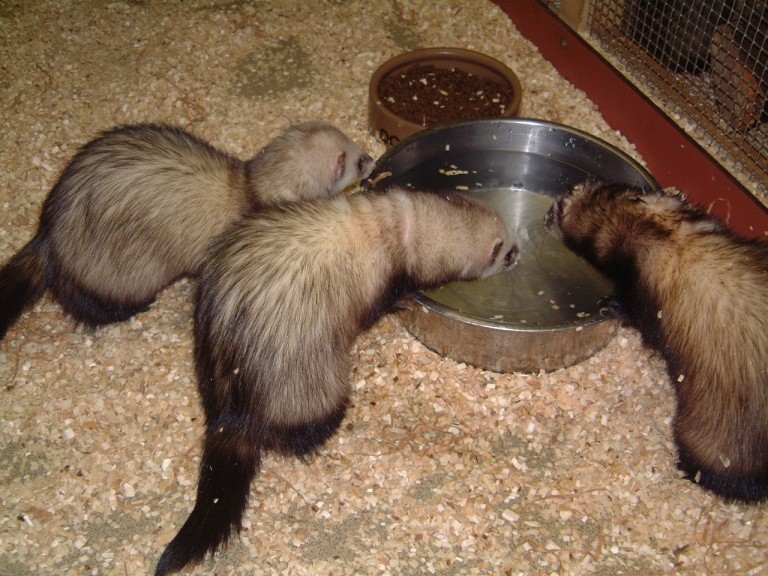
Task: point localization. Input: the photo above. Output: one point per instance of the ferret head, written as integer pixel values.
(496, 249)
(309, 161)
(601, 220)
(335, 161)
(448, 237)
(351, 166)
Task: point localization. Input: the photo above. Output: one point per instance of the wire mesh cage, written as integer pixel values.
(705, 64)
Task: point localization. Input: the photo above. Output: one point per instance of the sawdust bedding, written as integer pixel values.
(439, 468)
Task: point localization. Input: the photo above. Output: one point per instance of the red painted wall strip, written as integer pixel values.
(670, 154)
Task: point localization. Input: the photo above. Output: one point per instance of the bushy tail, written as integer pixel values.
(749, 486)
(229, 464)
(22, 282)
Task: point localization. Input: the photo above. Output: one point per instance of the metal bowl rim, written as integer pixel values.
(532, 122)
(421, 299)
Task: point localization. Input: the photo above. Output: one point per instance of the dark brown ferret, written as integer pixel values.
(699, 295)
(282, 297)
(136, 208)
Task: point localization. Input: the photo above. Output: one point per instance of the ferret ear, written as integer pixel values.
(341, 164)
(672, 192)
(584, 187)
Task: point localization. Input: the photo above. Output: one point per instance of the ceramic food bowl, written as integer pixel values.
(429, 86)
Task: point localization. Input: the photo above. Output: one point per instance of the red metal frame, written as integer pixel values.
(671, 155)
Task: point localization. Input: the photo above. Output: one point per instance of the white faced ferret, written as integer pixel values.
(282, 296)
(699, 295)
(137, 207)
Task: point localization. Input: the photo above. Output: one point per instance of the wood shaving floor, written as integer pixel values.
(439, 468)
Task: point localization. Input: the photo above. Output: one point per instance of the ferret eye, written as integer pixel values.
(511, 256)
(360, 163)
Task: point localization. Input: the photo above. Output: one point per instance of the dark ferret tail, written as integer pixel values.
(744, 488)
(230, 462)
(22, 282)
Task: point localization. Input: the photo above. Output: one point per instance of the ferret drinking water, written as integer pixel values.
(282, 296)
(699, 295)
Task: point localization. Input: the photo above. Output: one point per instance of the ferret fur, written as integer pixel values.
(699, 295)
(281, 299)
(137, 207)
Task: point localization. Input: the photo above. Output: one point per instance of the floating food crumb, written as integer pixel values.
(453, 172)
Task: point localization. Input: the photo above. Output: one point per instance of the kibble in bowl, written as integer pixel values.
(431, 86)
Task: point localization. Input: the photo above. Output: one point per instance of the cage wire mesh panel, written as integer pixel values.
(704, 63)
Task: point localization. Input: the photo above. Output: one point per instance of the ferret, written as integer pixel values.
(699, 295)
(281, 298)
(136, 208)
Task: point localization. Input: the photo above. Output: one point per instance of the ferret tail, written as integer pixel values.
(230, 462)
(22, 282)
(742, 488)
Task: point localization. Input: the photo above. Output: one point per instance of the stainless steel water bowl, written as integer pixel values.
(544, 314)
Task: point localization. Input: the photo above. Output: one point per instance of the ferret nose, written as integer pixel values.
(365, 166)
